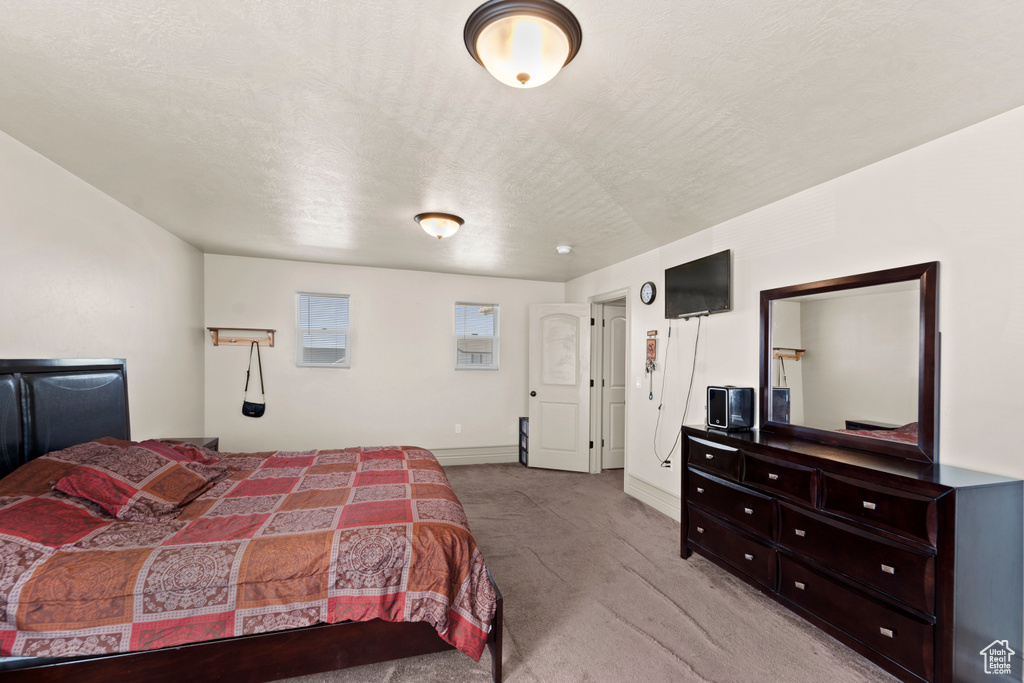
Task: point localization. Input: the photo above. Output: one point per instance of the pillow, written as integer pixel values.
(34, 478)
(197, 453)
(38, 476)
(180, 451)
(111, 441)
(139, 484)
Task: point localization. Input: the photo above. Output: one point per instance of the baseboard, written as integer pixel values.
(655, 496)
(481, 455)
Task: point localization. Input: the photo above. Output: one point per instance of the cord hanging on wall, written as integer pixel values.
(667, 460)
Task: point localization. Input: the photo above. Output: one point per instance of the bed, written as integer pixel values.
(68, 415)
(900, 433)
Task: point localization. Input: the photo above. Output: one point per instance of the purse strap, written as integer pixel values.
(259, 364)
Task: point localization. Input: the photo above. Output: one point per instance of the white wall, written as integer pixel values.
(402, 387)
(958, 200)
(86, 277)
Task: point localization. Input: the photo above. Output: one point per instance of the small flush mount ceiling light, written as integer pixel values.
(563, 249)
(439, 224)
(523, 43)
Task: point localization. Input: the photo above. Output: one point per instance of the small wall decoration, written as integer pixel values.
(652, 355)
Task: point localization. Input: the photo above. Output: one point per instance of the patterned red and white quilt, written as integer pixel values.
(287, 540)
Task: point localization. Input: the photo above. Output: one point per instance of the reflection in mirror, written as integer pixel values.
(848, 360)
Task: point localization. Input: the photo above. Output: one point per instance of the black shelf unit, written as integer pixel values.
(524, 441)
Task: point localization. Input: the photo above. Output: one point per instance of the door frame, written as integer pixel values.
(597, 371)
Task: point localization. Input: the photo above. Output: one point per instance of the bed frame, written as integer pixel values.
(47, 405)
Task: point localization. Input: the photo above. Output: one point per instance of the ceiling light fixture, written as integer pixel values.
(439, 224)
(523, 43)
(563, 249)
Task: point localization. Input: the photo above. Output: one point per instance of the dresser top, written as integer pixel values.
(802, 451)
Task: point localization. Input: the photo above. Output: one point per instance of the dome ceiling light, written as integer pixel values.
(523, 43)
(439, 224)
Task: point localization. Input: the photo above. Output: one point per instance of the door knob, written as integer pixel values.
(533, 393)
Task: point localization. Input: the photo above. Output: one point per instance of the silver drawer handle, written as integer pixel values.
(800, 532)
(700, 530)
(887, 632)
(869, 506)
(709, 456)
(748, 511)
(800, 584)
(888, 570)
(700, 490)
(748, 556)
(773, 477)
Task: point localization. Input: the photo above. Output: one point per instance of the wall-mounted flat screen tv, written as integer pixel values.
(699, 287)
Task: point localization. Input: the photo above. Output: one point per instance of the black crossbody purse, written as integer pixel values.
(250, 409)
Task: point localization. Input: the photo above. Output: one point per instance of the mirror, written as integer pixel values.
(851, 361)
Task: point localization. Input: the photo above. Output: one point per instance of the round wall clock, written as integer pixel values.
(647, 293)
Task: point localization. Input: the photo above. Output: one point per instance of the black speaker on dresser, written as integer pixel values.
(730, 408)
(780, 405)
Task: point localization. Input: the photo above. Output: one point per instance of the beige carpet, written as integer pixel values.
(595, 590)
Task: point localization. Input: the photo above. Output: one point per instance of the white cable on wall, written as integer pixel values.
(666, 461)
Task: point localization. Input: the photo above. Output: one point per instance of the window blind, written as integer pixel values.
(323, 330)
(476, 336)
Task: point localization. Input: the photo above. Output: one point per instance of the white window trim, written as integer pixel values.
(298, 333)
(496, 337)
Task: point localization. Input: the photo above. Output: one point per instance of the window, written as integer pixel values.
(322, 338)
(476, 336)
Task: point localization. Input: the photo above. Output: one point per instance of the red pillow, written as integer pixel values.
(137, 483)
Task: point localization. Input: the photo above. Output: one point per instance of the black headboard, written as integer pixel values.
(46, 405)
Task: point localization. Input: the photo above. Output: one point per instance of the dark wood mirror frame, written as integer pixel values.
(927, 447)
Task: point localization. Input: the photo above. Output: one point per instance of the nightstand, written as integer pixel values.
(210, 442)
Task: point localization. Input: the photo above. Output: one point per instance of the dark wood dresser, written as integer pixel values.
(916, 566)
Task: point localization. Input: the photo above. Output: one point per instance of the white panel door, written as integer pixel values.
(613, 392)
(560, 386)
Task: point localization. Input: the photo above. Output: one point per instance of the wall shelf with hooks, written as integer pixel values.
(241, 336)
(787, 354)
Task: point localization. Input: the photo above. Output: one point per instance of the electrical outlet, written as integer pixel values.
(458, 429)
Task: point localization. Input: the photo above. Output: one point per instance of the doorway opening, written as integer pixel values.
(609, 366)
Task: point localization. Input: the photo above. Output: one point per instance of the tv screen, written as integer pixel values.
(699, 287)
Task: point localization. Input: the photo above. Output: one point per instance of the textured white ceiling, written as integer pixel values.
(315, 130)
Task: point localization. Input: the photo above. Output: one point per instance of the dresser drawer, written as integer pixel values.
(720, 460)
(751, 557)
(789, 480)
(899, 636)
(900, 512)
(886, 566)
(751, 510)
